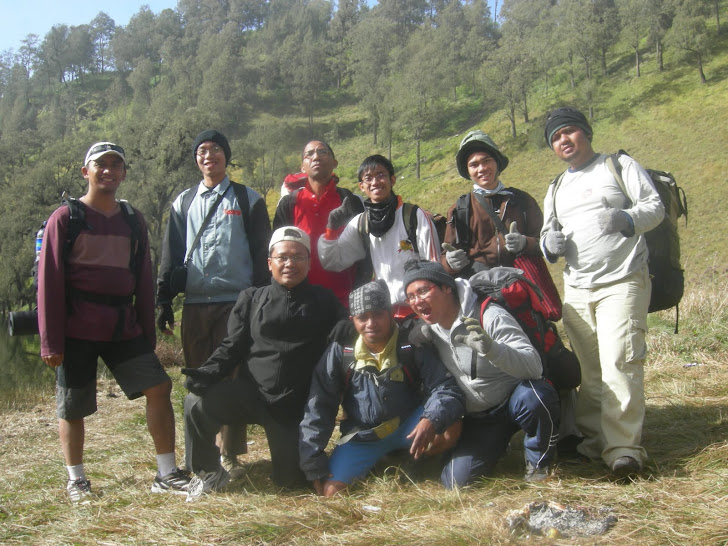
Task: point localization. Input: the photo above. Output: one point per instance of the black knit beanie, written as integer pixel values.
(563, 117)
(415, 270)
(213, 136)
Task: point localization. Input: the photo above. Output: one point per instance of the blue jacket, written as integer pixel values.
(370, 399)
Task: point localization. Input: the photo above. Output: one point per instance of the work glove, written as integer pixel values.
(515, 242)
(555, 241)
(613, 220)
(456, 258)
(165, 316)
(341, 215)
(200, 379)
(477, 339)
(343, 332)
(420, 334)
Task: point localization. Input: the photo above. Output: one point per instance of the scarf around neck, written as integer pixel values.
(381, 215)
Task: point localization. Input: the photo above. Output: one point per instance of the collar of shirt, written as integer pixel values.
(382, 361)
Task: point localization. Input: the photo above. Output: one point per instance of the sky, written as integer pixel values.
(20, 18)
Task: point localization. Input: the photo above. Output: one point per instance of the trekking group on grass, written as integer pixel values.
(361, 304)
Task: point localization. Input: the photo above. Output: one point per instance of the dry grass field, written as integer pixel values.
(681, 499)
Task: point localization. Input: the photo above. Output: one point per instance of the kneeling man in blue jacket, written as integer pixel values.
(394, 396)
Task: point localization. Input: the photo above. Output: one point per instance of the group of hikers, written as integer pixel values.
(353, 308)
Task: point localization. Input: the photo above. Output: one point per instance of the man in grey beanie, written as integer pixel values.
(598, 230)
(379, 381)
(214, 247)
(496, 367)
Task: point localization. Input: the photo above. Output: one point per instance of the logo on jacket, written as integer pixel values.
(406, 246)
(233, 212)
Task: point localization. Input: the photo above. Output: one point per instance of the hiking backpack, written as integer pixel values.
(663, 242)
(510, 289)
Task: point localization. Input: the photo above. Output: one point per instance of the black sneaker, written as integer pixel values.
(79, 491)
(626, 467)
(177, 481)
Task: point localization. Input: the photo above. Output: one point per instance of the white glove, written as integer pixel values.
(555, 241)
(515, 242)
(456, 258)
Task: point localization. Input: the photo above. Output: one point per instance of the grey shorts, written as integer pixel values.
(132, 363)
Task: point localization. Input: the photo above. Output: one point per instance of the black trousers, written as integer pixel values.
(232, 402)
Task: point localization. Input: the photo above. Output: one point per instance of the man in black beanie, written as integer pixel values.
(597, 225)
(214, 247)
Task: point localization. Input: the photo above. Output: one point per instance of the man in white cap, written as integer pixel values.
(278, 332)
(96, 299)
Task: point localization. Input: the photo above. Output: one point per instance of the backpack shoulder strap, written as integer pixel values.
(406, 359)
(347, 365)
(461, 219)
(615, 167)
(127, 211)
(187, 200)
(555, 183)
(241, 193)
(76, 224)
(409, 217)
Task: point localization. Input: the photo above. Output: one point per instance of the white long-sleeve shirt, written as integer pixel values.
(594, 259)
(389, 252)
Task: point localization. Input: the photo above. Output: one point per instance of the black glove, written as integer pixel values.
(341, 215)
(200, 379)
(421, 334)
(165, 316)
(343, 332)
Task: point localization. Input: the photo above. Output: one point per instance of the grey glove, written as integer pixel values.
(456, 258)
(341, 215)
(555, 241)
(613, 220)
(515, 242)
(421, 334)
(477, 339)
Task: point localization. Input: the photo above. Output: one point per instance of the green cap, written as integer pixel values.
(478, 141)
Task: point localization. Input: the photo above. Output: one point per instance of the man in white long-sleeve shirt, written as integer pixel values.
(599, 231)
(382, 238)
(495, 366)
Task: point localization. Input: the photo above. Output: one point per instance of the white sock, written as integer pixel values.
(75, 472)
(165, 463)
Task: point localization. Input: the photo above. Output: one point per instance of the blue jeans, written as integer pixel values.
(533, 407)
(354, 459)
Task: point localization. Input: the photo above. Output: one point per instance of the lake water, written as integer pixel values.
(21, 368)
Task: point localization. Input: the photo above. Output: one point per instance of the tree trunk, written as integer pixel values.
(660, 65)
(700, 70)
(418, 157)
(604, 61)
(637, 61)
(495, 10)
(525, 107)
(375, 127)
(513, 121)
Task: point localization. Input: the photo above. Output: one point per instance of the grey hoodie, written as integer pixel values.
(510, 360)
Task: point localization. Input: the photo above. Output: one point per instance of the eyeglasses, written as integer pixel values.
(296, 259)
(212, 150)
(419, 294)
(379, 177)
(322, 152)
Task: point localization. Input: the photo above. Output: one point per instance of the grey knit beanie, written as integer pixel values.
(369, 297)
(416, 270)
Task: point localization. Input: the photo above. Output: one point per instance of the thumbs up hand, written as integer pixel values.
(515, 242)
(555, 241)
(613, 220)
(456, 258)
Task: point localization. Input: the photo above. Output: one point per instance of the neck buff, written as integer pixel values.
(381, 215)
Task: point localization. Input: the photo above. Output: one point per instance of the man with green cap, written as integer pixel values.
(598, 230)
(473, 240)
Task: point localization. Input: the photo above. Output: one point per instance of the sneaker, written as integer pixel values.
(177, 482)
(233, 466)
(626, 467)
(79, 491)
(535, 474)
(205, 482)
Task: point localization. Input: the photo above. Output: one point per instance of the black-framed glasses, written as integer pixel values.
(322, 152)
(370, 178)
